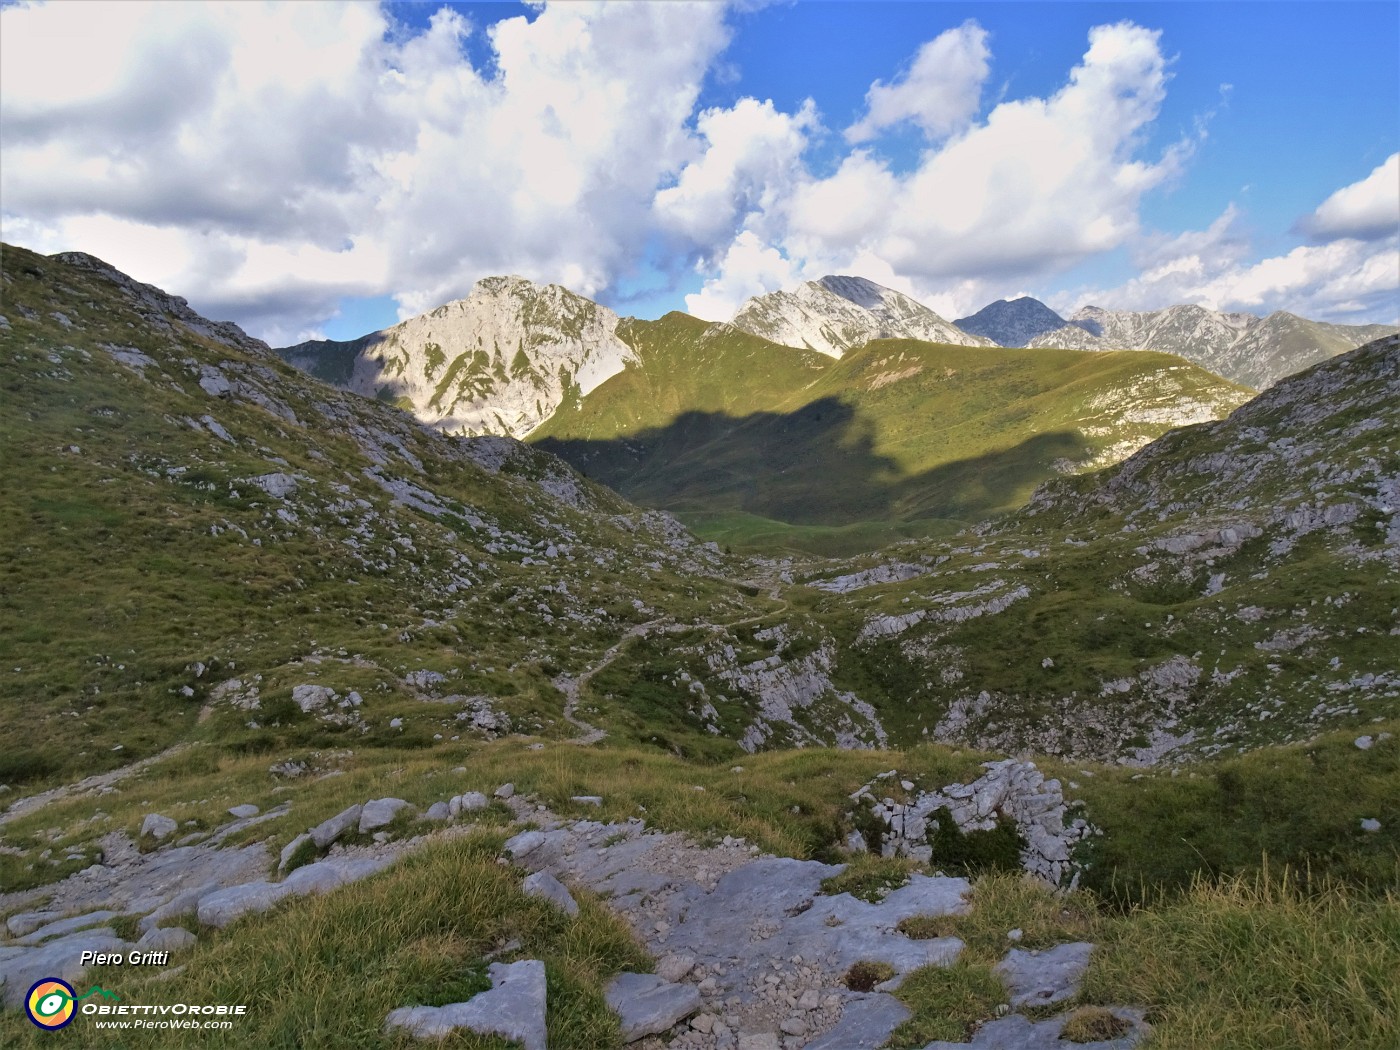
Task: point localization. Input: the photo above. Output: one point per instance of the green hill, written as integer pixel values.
(743, 437)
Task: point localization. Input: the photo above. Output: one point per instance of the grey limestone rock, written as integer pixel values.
(158, 827)
(1044, 977)
(648, 1004)
(468, 802)
(166, 939)
(214, 383)
(245, 811)
(278, 484)
(27, 922)
(514, 1007)
(439, 811)
(224, 906)
(21, 967)
(62, 927)
(379, 812)
(289, 850)
(675, 967)
(543, 884)
(328, 831)
(866, 1023)
(334, 872)
(312, 697)
(233, 902)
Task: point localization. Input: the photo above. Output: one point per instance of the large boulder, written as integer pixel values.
(158, 827)
(1045, 977)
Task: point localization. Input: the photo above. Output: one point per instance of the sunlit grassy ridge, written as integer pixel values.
(712, 421)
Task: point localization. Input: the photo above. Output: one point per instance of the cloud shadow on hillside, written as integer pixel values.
(815, 466)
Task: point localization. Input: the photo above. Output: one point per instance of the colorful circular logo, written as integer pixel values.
(50, 1003)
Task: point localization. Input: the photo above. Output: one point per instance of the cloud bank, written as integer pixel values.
(268, 160)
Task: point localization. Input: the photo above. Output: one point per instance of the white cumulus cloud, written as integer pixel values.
(1037, 186)
(940, 92)
(1347, 280)
(1367, 210)
(266, 159)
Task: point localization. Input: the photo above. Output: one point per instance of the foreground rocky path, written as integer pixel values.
(751, 953)
(768, 952)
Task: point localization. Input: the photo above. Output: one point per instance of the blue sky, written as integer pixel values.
(325, 169)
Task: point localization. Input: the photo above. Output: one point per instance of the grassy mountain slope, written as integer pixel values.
(186, 511)
(1231, 585)
(722, 426)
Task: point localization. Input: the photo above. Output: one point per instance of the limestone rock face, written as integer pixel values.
(1045, 977)
(380, 812)
(499, 361)
(837, 314)
(326, 832)
(1010, 789)
(543, 884)
(158, 827)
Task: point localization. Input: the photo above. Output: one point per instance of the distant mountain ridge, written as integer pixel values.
(509, 356)
(837, 314)
(1254, 351)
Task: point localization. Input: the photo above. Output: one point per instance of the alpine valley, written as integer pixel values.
(837, 677)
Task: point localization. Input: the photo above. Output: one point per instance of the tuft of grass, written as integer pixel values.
(961, 852)
(1002, 902)
(866, 974)
(126, 927)
(1261, 962)
(947, 1003)
(871, 878)
(1093, 1024)
(928, 927)
(304, 854)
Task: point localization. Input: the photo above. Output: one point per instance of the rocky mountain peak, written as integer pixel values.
(838, 313)
(500, 361)
(1012, 323)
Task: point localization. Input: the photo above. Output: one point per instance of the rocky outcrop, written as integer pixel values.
(648, 1004)
(1010, 790)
